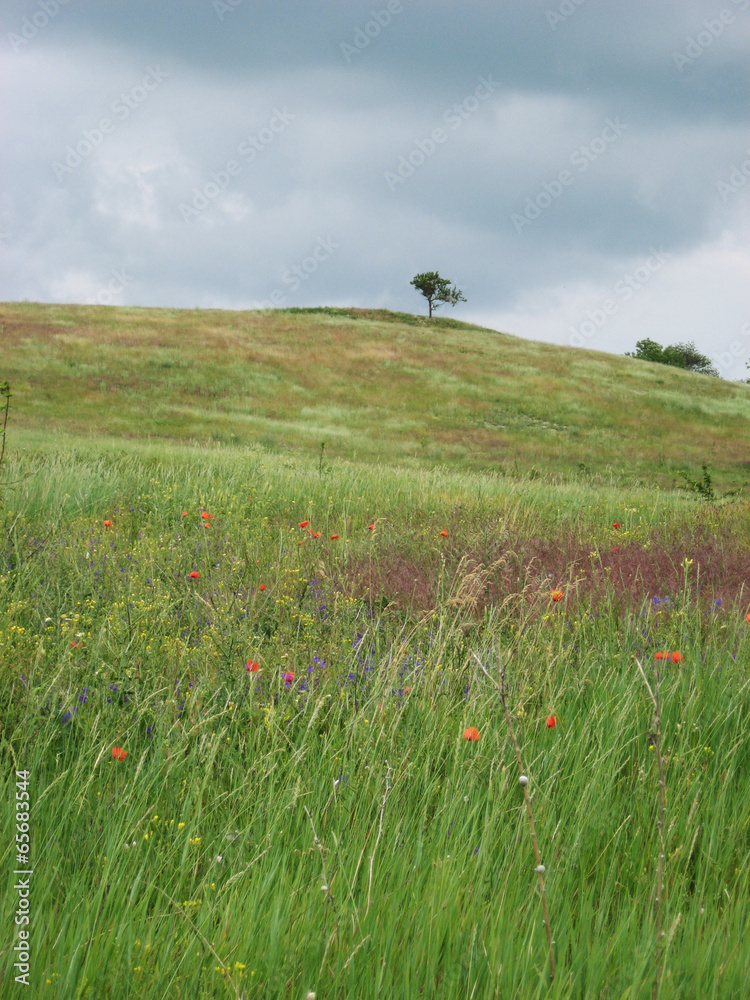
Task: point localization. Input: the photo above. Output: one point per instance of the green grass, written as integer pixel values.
(190, 868)
(374, 386)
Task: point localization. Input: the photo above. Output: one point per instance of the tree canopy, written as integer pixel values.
(685, 356)
(436, 290)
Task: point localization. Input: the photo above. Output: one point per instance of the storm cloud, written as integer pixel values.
(579, 169)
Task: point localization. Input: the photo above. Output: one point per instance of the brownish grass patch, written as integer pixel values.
(631, 574)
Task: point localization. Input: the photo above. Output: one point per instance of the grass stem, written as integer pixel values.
(502, 689)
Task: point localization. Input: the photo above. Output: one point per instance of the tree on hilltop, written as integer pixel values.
(685, 356)
(436, 290)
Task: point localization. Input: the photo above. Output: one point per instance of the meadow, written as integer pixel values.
(254, 682)
(372, 386)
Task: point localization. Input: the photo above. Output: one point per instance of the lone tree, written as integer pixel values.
(436, 290)
(685, 356)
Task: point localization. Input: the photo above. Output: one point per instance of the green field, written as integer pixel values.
(373, 386)
(297, 810)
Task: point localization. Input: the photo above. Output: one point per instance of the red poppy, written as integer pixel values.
(556, 595)
(677, 657)
(615, 548)
(371, 526)
(118, 753)
(204, 513)
(206, 524)
(748, 616)
(444, 532)
(288, 676)
(107, 523)
(317, 534)
(184, 513)
(662, 655)
(252, 665)
(262, 586)
(333, 537)
(407, 689)
(472, 733)
(76, 645)
(194, 574)
(616, 524)
(303, 524)
(551, 722)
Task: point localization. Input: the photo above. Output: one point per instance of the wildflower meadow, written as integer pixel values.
(279, 726)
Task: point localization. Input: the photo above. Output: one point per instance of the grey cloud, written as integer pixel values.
(259, 196)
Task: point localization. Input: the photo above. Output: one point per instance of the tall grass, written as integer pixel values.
(266, 836)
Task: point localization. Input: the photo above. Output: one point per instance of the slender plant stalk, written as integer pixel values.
(207, 944)
(4, 391)
(320, 850)
(327, 889)
(502, 689)
(380, 830)
(655, 738)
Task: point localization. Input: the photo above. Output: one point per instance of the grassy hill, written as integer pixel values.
(373, 385)
(254, 687)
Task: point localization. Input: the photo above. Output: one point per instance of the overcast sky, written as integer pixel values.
(579, 168)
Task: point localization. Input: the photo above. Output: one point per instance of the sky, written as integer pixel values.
(580, 169)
